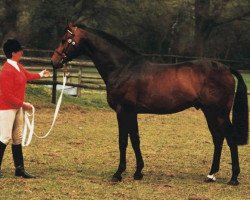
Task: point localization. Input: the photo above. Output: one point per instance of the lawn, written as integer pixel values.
(80, 156)
(247, 80)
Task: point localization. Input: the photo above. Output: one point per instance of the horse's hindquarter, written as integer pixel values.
(218, 89)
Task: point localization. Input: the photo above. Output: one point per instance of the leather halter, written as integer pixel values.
(71, 42)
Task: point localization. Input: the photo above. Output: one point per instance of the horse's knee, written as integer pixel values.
(135, 140)
(123, 148)
(123, 143)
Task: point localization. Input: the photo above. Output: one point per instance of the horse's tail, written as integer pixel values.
(240, 110)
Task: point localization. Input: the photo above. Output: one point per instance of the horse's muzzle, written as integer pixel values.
(56, 65)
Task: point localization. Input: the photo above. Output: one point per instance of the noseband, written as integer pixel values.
(71, 42)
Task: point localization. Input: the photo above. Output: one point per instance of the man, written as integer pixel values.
(13, 79)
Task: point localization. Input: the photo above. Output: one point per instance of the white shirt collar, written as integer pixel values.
(14, 64)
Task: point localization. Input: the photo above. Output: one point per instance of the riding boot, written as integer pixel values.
(18, 162)
(2, 149)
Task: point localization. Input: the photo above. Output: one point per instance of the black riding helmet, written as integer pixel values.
(10, 46)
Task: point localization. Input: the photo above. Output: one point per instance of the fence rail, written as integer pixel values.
(82, 85)
(77, 77)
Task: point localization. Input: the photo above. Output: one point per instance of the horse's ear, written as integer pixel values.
(70, 25)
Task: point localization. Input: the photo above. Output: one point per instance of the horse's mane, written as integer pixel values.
(112, 39)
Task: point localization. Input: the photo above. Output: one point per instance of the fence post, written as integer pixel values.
(54, 86)
(69, 78)
(79, 81)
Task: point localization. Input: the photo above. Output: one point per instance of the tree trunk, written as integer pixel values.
(203, 26)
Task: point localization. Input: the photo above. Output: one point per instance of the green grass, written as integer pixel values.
(80, 156)
(246, 78)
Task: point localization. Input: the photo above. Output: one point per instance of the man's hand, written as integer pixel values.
(44, 73)
(27, 106)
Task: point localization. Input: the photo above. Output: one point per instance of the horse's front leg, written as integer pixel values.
(123, 143)
(135, 141)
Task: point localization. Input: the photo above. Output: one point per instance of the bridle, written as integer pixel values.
(70, 42)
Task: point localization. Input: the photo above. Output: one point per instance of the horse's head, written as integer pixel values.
(69, 48)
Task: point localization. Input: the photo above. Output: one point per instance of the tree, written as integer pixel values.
(144, 25)
(211, 28)
(210, 15)
(48, 21)
(9, 18)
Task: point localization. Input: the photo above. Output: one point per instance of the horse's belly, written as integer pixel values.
(164, 105)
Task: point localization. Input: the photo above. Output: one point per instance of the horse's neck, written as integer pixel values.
(108, 58)
(104, 70)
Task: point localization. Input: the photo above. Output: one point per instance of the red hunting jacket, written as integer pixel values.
(13, 86)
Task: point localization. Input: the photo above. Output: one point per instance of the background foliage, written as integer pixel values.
(218, 29)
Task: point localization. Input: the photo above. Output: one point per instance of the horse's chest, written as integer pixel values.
(124, 94)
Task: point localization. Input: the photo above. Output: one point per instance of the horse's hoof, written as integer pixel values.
(116, 179)
(138, 176)
(233, 182)
(209, 180)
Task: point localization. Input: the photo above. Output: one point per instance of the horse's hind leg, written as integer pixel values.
(231, 141)
(218, 142)
(220, 127)
(218, 138)
(229, 132)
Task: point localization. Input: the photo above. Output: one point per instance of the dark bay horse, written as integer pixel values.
(135, 85)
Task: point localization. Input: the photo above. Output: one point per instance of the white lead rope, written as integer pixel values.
(26, 140)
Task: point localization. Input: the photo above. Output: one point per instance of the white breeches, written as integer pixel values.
(11, 126)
